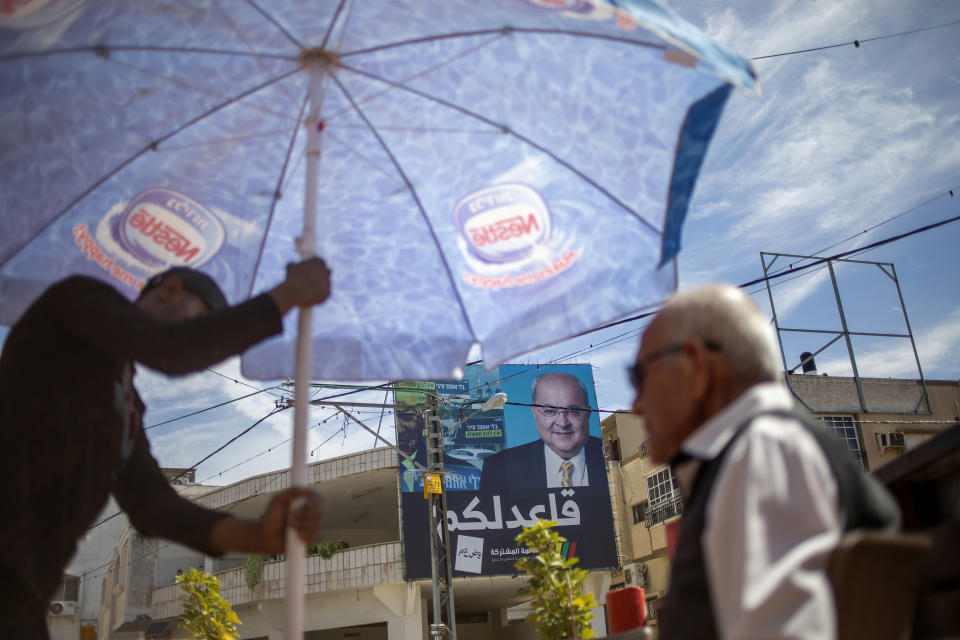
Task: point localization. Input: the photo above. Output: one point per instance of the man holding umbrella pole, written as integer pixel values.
(71, 430)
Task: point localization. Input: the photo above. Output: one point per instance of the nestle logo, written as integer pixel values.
(162, 228)
(503, 223)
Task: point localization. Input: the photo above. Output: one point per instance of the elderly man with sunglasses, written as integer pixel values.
(769, 492)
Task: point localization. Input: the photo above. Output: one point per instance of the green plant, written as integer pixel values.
(206, 614)
(327, 549)
(560, 607)
(254, 570)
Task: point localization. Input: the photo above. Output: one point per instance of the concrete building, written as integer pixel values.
(878, 420)
(359, 592)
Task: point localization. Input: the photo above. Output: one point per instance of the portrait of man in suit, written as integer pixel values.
(566, 455)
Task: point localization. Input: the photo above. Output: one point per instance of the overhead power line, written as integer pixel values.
(791, 271)
(202, 460)
(857, 43)
(949, 194)
(851, 252)
(216, 406)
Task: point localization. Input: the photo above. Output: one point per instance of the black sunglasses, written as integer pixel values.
(637, 371)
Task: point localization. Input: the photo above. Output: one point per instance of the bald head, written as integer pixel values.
(724, 315)
(705, 348)
(563, 422)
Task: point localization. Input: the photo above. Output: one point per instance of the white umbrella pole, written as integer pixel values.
(307, 246)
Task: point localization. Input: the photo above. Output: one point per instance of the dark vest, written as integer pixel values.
(687, 609)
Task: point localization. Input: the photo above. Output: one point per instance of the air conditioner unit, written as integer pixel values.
(63, 607)
(635, 575)
(891, 440)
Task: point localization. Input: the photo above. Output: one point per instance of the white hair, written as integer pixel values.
(725, 315)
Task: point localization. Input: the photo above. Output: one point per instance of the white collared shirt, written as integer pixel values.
(554, 476)
(772, 520)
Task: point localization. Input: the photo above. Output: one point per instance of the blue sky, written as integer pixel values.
(840, 140)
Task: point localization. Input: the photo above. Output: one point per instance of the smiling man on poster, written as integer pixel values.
(566, 455)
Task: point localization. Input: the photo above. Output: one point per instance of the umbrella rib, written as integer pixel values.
(104, 51)
(505, 30)
(180, 83)
(279, 191)
(333, 23)
(421, 74)
(243, 38)
(416, 198)
(514, 133)
(279, 26)
(227, 140)
(363, 158)
(149, 147)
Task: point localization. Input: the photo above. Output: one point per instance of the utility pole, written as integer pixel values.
(434, 492)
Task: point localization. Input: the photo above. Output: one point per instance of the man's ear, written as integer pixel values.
(700, 372)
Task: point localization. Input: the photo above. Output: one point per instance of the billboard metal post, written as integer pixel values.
(441, 566)
(439, 536)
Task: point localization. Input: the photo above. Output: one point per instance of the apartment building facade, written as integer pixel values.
(360, 592)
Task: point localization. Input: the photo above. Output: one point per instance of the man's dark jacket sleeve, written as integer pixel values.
(108, 321)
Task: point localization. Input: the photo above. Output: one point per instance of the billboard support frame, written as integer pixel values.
(443, 601)
(767, 259)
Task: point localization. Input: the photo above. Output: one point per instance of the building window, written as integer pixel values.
(846, 430)
(69, 589)
(652, 607)
(665, 501)
(613, 449)
(639, 512)
(661, 485)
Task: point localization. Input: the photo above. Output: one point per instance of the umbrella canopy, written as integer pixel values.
(509, 172)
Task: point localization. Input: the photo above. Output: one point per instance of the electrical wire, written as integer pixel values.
(240, 382)
(880, 224)
(216, 406)
(856, 43)
(202, 460)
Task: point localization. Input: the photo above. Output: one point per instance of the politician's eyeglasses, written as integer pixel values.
(574, 413)
(637, 371)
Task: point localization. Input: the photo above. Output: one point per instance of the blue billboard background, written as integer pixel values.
(496, 480)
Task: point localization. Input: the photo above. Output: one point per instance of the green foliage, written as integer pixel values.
(254, 569)
(560, 607)
(206, 614)
(327, 549)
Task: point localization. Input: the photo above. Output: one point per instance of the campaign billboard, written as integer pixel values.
(540, 456)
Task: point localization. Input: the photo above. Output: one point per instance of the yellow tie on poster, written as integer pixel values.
(566, 468)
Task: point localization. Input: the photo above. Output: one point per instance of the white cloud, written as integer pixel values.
(788, 299)
(840, 138)
(937, 347)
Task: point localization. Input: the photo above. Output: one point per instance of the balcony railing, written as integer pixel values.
(664, 510)
(347, 569)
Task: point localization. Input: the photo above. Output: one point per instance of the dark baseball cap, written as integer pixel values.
(196, 282)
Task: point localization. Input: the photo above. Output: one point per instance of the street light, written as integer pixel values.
(439, 535)
(495, 401)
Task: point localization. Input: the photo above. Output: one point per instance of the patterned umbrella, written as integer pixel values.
(507, 172)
